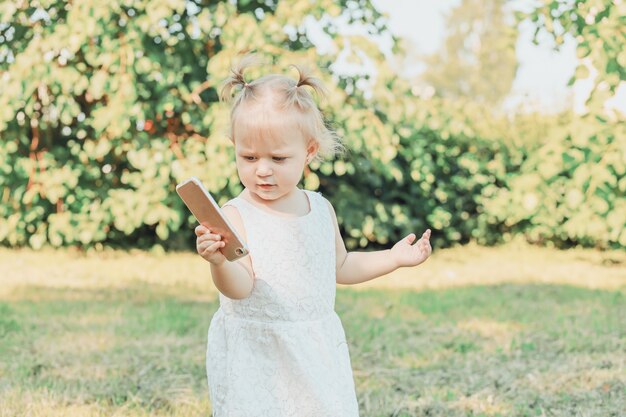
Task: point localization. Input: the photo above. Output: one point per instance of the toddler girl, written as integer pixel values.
(276, 347)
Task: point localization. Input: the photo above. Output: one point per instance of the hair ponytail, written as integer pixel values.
(237, 79)
(305, 79)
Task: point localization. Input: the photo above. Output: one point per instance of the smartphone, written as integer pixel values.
(200, 202)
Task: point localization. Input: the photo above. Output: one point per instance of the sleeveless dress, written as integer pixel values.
(282, 351)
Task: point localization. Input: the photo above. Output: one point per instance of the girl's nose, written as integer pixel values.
(263, 169)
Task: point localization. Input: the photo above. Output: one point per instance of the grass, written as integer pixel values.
(473, 332)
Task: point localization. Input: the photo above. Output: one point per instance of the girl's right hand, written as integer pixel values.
(208, 245)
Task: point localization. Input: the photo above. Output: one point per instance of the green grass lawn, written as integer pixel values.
(128, 339)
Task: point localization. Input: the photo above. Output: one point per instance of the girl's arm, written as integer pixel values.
(233, 279)
(357, 267)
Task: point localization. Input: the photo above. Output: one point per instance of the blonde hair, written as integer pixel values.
(279, 93)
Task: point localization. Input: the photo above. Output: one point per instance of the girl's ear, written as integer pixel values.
(311, 151)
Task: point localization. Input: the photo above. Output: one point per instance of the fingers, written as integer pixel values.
(208, 236)
(204, 233)
(209, 247)
(412, 237)
(200, 230)
(207, 242)
(424, 244)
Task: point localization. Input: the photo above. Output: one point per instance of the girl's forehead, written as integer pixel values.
(267, 130)
(268, 143)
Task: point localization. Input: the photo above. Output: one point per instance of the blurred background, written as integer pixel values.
(482, 120)
(497, 124)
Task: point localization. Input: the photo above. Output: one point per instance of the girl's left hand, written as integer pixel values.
(407, 254)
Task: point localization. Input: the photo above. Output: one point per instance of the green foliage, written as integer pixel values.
(599, 27)
(430, 174)
(106, 107)
(572, 188)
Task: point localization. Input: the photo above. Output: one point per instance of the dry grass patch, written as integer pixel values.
(179, 273)
(512, 263)
(482, 403)
(494, 334)
(583, 375)
(187, 274)
(44, 403)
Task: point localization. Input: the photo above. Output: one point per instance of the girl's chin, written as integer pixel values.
(268, 193)
(265, 194)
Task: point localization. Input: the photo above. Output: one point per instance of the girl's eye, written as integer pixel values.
(249, 158)
(279, 158)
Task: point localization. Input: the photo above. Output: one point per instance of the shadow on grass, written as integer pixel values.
(509, 350)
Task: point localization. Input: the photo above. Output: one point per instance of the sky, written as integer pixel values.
(543, 74)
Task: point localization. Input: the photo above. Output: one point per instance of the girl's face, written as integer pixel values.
(270, 165)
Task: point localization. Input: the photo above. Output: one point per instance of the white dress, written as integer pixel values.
(282, 351)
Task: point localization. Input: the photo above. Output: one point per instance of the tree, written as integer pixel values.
(478, 59)
(599, 28)
(106, 105)
(572, 189)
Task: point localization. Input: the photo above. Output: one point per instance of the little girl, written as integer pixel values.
(276, 347)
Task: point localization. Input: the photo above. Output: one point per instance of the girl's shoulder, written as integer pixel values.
(317, 195)
(234, 208)
(234, 202)
(322, 201)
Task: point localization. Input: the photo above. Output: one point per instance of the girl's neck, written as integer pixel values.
(295, 203)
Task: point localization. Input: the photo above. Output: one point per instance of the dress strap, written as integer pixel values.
(315, 199)
(247, 216)
(240, 205)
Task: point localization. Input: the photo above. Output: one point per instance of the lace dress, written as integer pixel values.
(282, 351)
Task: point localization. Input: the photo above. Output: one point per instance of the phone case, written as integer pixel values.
(208, 213)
